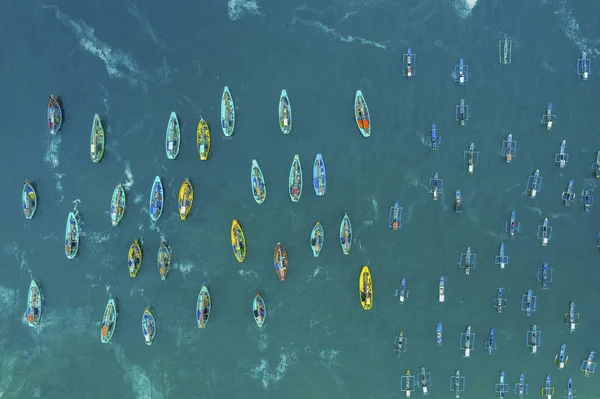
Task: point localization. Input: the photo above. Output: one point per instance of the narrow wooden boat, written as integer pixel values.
(185, 199)
(117, 205)
(29, 200)
(346, 234)
(54, 115)
(257, 180)
(317, 237)
(259, 309)
(238, 241)
(109, 322)
(134, 258)
(34, 304)
(319, 176)
(72, 236)
(295, 179)
(227, 113)
(597, 166)
(361, 114)
(173, 137)
(365, 288)
(97, 140)
(156, 199)
(203, 139)
(203, 307)
(280, 261)
(148, 326)
(163, 260)
(285, 113)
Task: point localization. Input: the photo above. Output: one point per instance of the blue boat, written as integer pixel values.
(587, 200)
(570, 393)
(402, 293)
(156, 199)
(501, 388)
(512, 226)
(572, 318)
(457, 384)
(434, 140)
(395, 217)
(439, 334)
(501, 259)
(589, 366)
(319, 176)
(548, 390)
(544, 275)
(520, 387)
(529, 302)
(409, 60)
(458, 202)
(461, 72)
(499, 301)
(491, 342)
(548, 118)
(534, 183)
(462, 112)
(534, 339)
(561, 358)
(584, 66)
(568, 196)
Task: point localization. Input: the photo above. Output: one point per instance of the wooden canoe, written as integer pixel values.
(163, 260)
(134, 258)
(148, 326)
(34, 304)
(97, 140)
(72, 236)
(109, 322)
(156, 199)
(203, 306)
(257, 180)
(319, 176)
(317, 237)
(259, 309)
(361, 114)
(29, 200)
(280, 261)
(203, 139)
(365, 288)
(346, 234)
(117, 205)
(238, 241)
(185, 199)
(227, 113)
(54, 115)
(172, 139)
(285, 113)
(295, 179)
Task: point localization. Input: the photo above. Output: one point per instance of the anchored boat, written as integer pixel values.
(319, 176)
(584, 66)
(346, 234)
(148, 326)
(505, 51)
(156, 199)
(395, 217)
(295, 179)
(257, 180)
(117, 205)
(203, 139)
(29, 200)
(361, 114)
(54, 115)
(441, 290)
(34, 304)
(238, 241)
(109, 322)
(548, 118)
(227, 113)
(203, 307)
(458, 202)
(163, 260)
(365, 288)
(134, 258)
(317, 237)
(280, 261)
(173, 137)
(97, 140)
(285, 113)
(72, 236)
(259, 309)
(409, 60)
(185, 199)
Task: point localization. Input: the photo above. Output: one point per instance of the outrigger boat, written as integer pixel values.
(109, 322)
(597, 165)
(505, 51)
(172, 139)
(317, 237)
(54, 115)
(97, 140)
(285, 113)
(467, 261)
(572, 318)
(134, 258)
(361, 114)
(156, 199)
(409, 60)
(295, 179)
(490, 344)
(346, 234)
(365, 288)
(534, 183)
(257, 181)
(395, 217)
(441, 290)
(512, 226)
(584, 66)
(470, 158)
(520, 387)
(34, 305)
(407, 383)
(529, 302)
(163, 260)
(434, 139)
(568, 196)
(562, 158)
(203, 306)
(319, 176)
(28, 200)
(548, 118)
(570, 393)
(259, 309)
(534, 339)
(461, 72)
(589, 366)
(544, 232)
(280, 261)
(424, 380)
(509, 148)
(203, 139)
(148, 326)
(227, 113)
(457, 384)
(499, 301)
(439, 334)
(561, 358)
(400, 344)
(544, 275)
(72, 236)
(501, 388)
(458, 202)
(185, 199)
(238, 241)
(501, 259)
(117, 205)
(402, 293)
(586, 200)
(462, 112)
(467, 342)
(436, 186)
(548, 390)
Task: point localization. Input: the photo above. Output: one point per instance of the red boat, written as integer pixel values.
(280, 261)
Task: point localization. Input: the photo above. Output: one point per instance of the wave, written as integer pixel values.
(129, 182)
(464, 7)
(572, 30)
(51, 155)
(185, 267)
(58, 177)
(319, 26)
(236, 9)
(261, 371)
(132, 8)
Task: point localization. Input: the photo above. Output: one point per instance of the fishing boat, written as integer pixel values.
(203, 307)
(257, 180)
(346, 234)
(185, 199)
(163, 260)
(54, 115)
(509, 149)
(317, 237)
(173, 137)
(203, 139)
(238, 241)
(441, 290)
(597, 165)
(148, 326)
(259, 309)
(227, 113)
(109, 322)
(117, 205)
(319, 176)
(395, 217)
(34, 304)
(365, 288)
(97, 140)
(439, 334)
(295, 179)
(72, 236)
(156, 199)
(458, 202)
(280, 261)
(29, 200)
(361, 114)
(134, 258)
(285, 113)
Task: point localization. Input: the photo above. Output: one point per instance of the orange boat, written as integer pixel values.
(280, 261)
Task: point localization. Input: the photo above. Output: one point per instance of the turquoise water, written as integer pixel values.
(134, 63)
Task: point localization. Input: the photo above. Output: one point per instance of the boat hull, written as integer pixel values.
(72, 236)
(156, 199)
(257, 181)
(163, 260)
(29, 200)
(285, 113)
(203, 139)
(203, 306)
(117, 205)
(280, 261)
(259, 309)
(227, 113)
(148, 326)
(238, 241)
(34, 305)
(134, 258)
(97, 140)
(319, 176)
(54, 115)
(346, 234)
(172, 139)
(317, 238)
(185, 199)
(361, 114)
(109, 322)
(365, 287)
(295, 180)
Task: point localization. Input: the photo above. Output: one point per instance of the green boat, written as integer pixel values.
(117, 205)
(72, 236)
(203, 306)
(97, 140)
(285, 113)
(29, 200)
(109, 322)
(34, 305)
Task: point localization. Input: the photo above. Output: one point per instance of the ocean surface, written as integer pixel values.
(133, 62)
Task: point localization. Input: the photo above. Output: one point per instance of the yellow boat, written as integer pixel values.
(203, 139)
(185, 199)
(134, 258)
(238, 241)
(365, 288)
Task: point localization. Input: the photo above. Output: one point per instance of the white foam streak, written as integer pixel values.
(464, 7)
(267, 378)
(572, 30)
(129, 182)
(51, 155)
(343, 38)
(238, 8)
